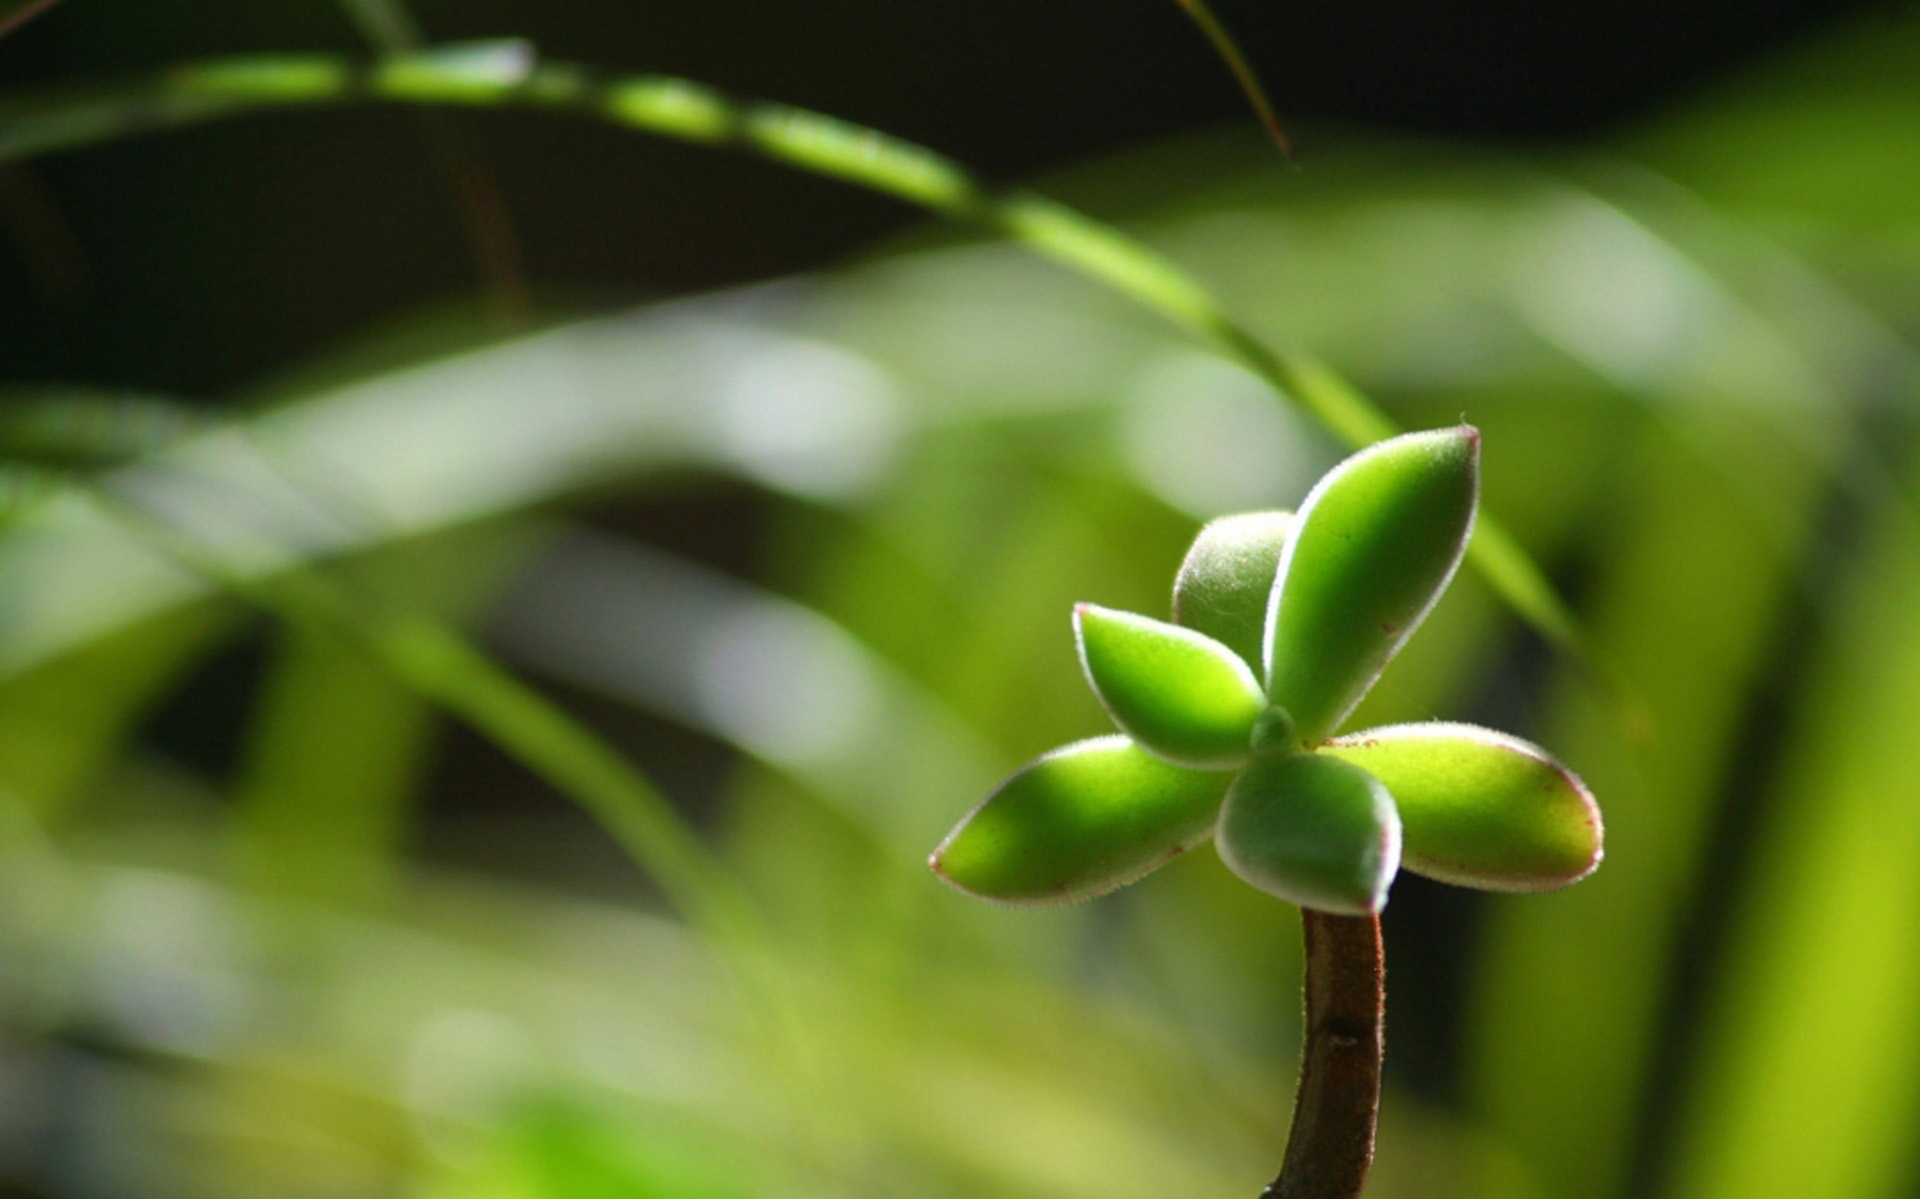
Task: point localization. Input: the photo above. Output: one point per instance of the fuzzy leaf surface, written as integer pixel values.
(1312, 830)
(1178, 693)
(1480, 808)
(1227, 578)
(1078, 822)
(1379, 537)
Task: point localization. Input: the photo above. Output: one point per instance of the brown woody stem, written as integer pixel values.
(1330, 1146)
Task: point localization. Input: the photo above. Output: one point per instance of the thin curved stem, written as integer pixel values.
(507, 73)
(1243, 73)
(1330, 1146)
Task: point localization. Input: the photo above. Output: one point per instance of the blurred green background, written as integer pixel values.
(785, 493)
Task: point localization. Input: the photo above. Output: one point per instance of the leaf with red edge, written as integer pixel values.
(1480, 808)
(1379, 537)
(1178, 693)
(1078, 822)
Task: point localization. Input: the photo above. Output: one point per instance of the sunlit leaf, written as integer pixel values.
(1079, 821)
(1378, 539)
(1227, 578)
(1179, 694)
(1313, 830)
(1480, 808)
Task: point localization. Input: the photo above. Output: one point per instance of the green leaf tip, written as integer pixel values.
(1227, 577)
(1078, 822)
(1312, 830)
(1273, 734)
(1480, 808)
(1180, 694)
(1378, 539)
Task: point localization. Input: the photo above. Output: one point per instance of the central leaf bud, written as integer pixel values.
(1272, 733)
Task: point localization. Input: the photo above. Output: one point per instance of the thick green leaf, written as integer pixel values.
(1179, 694)
(1480, 808)
(1378, 539)
(1313, 830)
(1227, 578)
(1079, 821)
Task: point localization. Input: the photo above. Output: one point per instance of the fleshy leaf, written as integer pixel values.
(1224, 583)
(1178, 693)
(1378, 539)
(1313, 830)
(1480, 808)
(1078, 822)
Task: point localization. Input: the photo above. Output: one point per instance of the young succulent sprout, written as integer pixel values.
(1229, 714)
(1281, 624)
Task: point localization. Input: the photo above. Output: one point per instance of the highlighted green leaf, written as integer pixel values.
(1224, 585)
(1378, 539)
(1313, 830)
(1480, 808)
(1078, 822)
(1178, 693)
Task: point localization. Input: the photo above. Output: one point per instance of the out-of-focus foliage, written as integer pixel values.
(1691, 355)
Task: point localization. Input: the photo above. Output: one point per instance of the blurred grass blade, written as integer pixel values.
(770, 677)
(439, 73)
(1810, 1050)
(336, 743)
(61, 722)
(442, 666)
(332, 753)
(26, 491)
(444, 443)
(83, 427)
(682, 109)
(1597, 957)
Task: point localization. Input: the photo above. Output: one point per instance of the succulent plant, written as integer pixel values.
(1280, 626)
(1229, 718)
